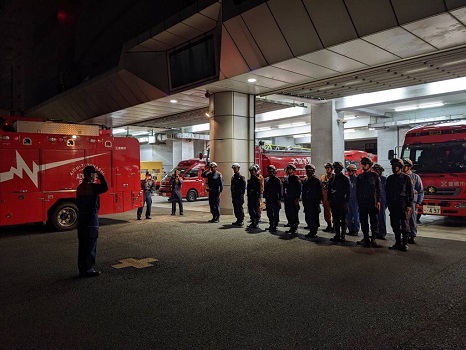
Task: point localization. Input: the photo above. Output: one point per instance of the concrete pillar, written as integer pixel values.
(231, 137)
(182, 150)
(387, 139)
(328, 142)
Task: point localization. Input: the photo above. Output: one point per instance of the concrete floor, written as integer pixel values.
(215, 286)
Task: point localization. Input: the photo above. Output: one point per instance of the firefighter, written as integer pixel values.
(325, 178)
(215, 187)
(417, 199)
(147, 186)
(88, 202)
(311, 196)
(261, 179)
(378, 169)
(352, 218)
(369, 197)
(254, 189)
(273, 190)
(338, 194)
(238, 187)
(291, 195)
(400, 194)
(175, 184)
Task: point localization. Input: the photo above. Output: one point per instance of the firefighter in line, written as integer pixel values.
(238, 187)
(378, 169)
(400, 194)
(352, 218)
(325, 178)
(338, 193)
(417, 199)
(261, 179)
(215, 188)
(147, 186)
(369, 197)
(311, 196)
(88, 202)
(273, 190)
(291, 195)
(175, 184)
(254, 190)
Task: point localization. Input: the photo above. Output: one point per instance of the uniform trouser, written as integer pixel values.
(147, 202)
(273, 211)
(311, 215)
(214, 203)
(238, 208)
(292, 211)
(176, 198)
(352, 218)
(369, 212)
(253, 208)
(382, 220)
(413, 221)
(87, 248)
(339, 213)
(400, 224)
(327, 210)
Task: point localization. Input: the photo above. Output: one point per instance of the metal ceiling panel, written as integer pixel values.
(460, 14)
(267, 34)
(262, 81)
(201, 23)
(442, 31)
(371, 16)
(413, 10)
(183, 30)
(331, 20)
(400, 42)
(281, 75)
(245, 43)
(170, 39)
(154, 45)
(212, 11)
(231, 60)
(125, 92)
(130, 81)
(334, 61)
(364, 52)
(300, 66)
(294, 21)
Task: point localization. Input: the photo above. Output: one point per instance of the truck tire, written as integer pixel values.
(65, 216)
(191, 196)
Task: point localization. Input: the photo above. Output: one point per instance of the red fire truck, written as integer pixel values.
(42, 163)
(354, 157)
(438, 152)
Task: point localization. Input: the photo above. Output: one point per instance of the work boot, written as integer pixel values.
(411, 240)
(273, 229)
(373, 242)
(287, 224)
(335, 238)
(329, 228)
(396, 246)
(173, 213)
(311, 234)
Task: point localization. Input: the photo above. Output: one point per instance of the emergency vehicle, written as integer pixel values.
(41, 167)
(354, 157)
(438, 153)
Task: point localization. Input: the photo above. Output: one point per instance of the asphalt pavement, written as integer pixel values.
(178, 282)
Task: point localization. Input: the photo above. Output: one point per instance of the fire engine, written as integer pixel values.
(438, 153)
(42, 163)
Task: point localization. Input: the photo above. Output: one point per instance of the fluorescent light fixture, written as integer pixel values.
(301, 135)
(298, 124)
(140, 133)
(431, 105)
(371, 129)
(201, 127)
(207, 114)
(407, 108)
(252, 80)
(282, 126)
(264, 128)
(416, 70)
(173, 101)
(119, 131)
(349, 117)
(347, 131)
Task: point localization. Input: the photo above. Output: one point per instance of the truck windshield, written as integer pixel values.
(437, 158)
(182, 171)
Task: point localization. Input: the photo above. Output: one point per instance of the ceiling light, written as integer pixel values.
(118, 131)
(349, 117)
(173, 101)
(301, 135)
(252, 80)
(282, 126)
(371, 129)
(453, 63)
(140, 133)
(298, 124)
(264, 128)
(349, 130)
(415, 70)
(406, 108)
(431, 105)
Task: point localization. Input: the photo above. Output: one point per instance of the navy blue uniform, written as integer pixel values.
(312, 196)
(238, 188)
(352, 218)
(175, 184)
(254, 190)
(383, 206)
(338, 192)
(147, 186)
(291, 195)
(273, 190)
(215, 185)
(368, 194)
(88, 201)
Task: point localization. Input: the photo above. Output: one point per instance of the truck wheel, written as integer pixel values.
(191, 196)
(65, 216)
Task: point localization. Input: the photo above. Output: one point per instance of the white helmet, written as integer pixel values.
(213, 164)
(235, 165)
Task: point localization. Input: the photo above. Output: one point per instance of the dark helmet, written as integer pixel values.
(408, 162)
(397, 162)
(378, 167)
(338, 165)
(310, 166)
(366, 160)
(87, 171)
(271, 167)
(291, 166)
(328, 165)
